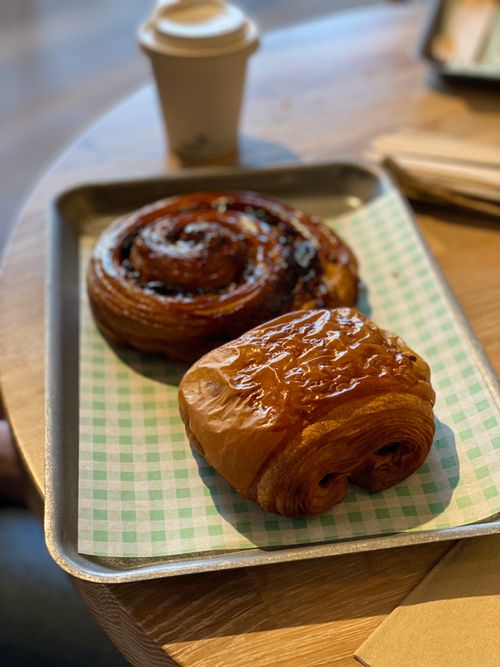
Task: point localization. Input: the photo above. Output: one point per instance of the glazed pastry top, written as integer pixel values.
(313, 361)
(272, 382)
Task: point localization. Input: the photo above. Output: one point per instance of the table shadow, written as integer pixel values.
(152, 366)
(363, 303)
(256, 152)
(477, 93)
(459, 217)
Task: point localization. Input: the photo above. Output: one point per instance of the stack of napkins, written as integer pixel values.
(435, 167)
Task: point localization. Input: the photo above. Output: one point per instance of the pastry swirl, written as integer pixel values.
(187, 273)
(295, 409)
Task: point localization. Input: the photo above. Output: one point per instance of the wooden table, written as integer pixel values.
(318, 91)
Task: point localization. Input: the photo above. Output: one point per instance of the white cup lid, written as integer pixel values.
(196, 27)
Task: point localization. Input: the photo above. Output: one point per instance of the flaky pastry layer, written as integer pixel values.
(295, 409)
(188, 273)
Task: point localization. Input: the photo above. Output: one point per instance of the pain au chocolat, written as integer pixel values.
(188, 273)
(295, 409)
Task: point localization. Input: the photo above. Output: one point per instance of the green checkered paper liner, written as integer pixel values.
(143, 492)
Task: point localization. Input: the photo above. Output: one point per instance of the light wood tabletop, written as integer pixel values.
(317, 91)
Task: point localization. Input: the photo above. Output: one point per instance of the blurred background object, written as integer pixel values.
(466, 28)
(462, 38)
(63, 63)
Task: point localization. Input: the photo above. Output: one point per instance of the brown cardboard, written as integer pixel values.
(451, 618)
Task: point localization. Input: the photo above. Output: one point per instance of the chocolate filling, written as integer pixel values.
(328, 479)
(390, 448)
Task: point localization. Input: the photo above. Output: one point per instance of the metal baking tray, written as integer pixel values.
(326, 189)
(431, 28)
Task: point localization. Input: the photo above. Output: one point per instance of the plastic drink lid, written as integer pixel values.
(198, 28)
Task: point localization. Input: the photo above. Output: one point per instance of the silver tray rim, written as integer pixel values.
(85, 569)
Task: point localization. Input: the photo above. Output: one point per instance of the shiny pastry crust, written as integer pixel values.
(294, 410)
(187, 273)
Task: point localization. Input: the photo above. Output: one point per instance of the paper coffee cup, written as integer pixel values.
(199, 51)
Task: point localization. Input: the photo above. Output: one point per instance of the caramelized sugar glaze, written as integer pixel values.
(294, 409)
(187, 273)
